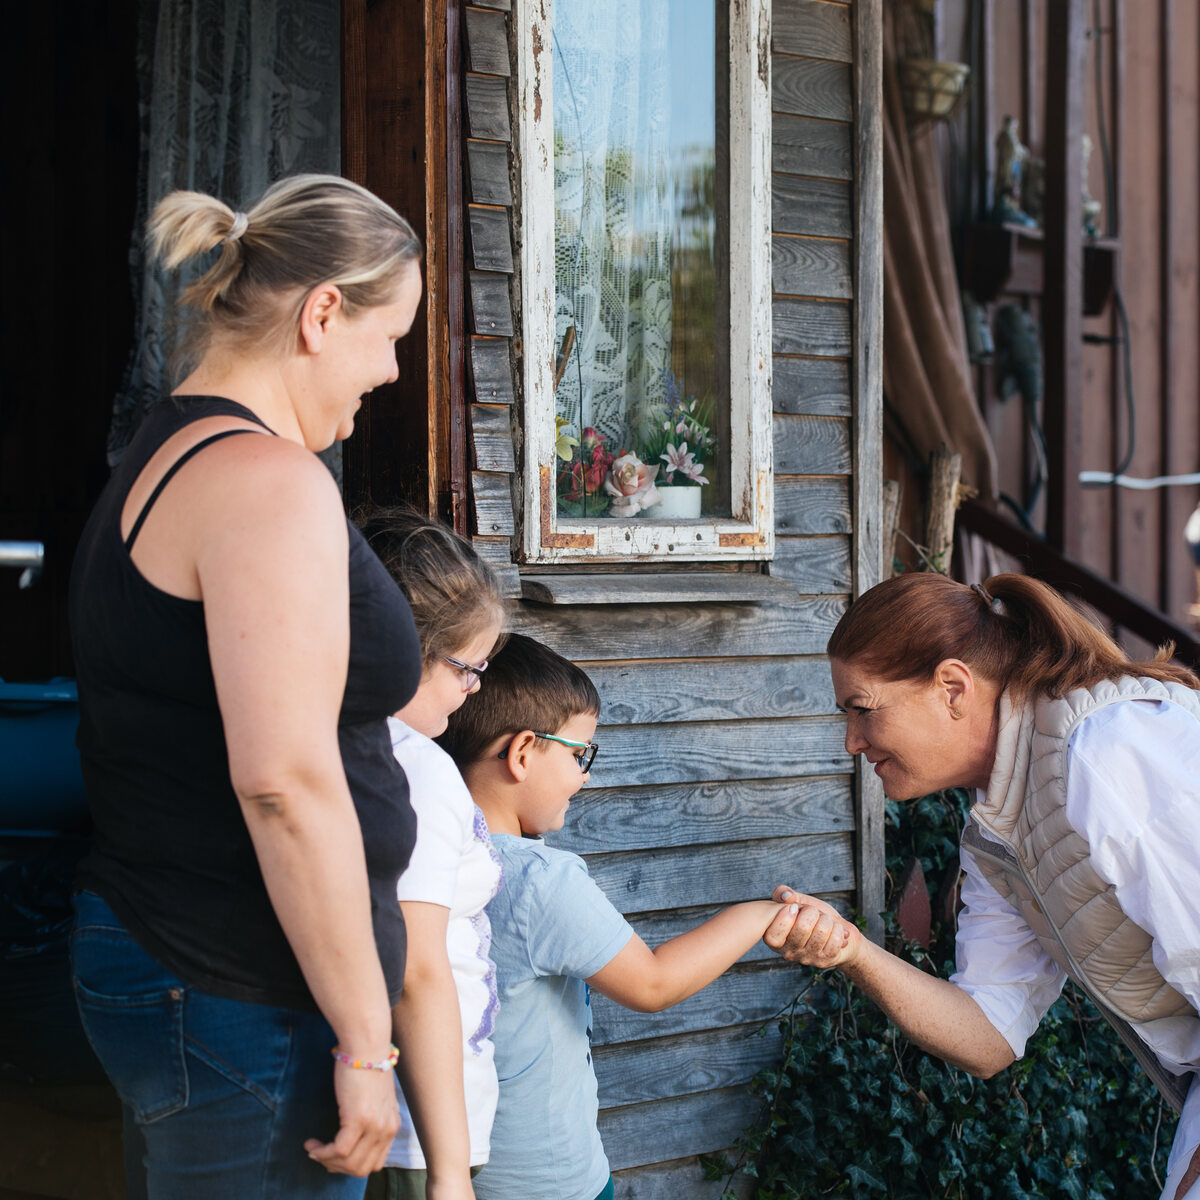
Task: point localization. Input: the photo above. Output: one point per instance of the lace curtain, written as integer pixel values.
(233, 94)
(614, 208)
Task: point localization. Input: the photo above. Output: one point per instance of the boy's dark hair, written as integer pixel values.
(527, 686)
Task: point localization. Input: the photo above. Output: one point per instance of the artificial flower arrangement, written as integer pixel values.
(581, 479)
(675, 431)
(679, 432)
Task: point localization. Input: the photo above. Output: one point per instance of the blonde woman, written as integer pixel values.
(239, 649)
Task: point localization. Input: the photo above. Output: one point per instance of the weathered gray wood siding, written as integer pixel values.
(722, 770)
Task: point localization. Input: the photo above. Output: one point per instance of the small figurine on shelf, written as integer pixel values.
(1091, 208)
(1010, 165)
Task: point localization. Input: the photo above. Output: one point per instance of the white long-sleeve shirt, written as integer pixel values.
(1133, 791)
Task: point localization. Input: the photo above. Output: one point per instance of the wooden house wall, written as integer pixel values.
(722, 770)
(1150, 57)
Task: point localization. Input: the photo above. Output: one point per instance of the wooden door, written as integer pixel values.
(402, 138)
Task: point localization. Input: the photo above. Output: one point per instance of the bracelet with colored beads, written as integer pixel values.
(361, 1064)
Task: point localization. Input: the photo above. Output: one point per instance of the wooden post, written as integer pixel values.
(1167, 548)
(868, 407)
(945, 470)
(1062, 309)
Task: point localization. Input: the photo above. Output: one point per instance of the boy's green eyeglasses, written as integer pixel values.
(585, 760)
(589, 749)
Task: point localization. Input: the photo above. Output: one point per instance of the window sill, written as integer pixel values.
(690, 588)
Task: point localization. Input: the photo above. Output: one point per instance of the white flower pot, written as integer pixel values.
(676, 503)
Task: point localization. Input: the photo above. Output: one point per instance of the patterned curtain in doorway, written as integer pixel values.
(233, 94)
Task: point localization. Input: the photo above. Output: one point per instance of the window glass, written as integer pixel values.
(641, 361)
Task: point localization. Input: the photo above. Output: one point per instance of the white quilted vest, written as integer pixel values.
(1044, 866)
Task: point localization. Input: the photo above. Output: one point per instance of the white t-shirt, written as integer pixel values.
(455, 865)
(1133, 791)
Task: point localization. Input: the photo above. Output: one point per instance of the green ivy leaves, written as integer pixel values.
(855, 1110)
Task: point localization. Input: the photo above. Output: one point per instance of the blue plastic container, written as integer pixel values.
(41, 786)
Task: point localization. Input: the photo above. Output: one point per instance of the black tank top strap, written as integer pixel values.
(170, 474)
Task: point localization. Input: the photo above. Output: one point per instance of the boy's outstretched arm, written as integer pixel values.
(650, 980)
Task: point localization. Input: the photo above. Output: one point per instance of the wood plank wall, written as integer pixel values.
(722, 770)
(489, 172)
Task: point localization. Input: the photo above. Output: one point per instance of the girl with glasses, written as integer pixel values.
(444, 1019)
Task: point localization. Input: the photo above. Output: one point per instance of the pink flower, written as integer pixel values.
(681, 459)
(631, 484)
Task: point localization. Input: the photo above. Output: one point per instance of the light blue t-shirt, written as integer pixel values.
(552, 928)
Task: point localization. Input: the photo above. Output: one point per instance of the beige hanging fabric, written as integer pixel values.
(926, 373)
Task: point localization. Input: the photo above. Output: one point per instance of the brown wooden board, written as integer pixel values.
(740, 996)
(676, 587)
(487, 41)
(491, 437)
(497, 553)
(812, 504)
(702, 750)
(804, 266)
(807, 87)
(487, 108)
(813, 29)
(868, 407)
(658, 927)
(650, 880)
(681, 1066)
(818, 207)
(491, 308)
(816, 565)
(690, 689)
(811, 445)
(818, 327)
(597, 633)
(806, 146)
(491, 238)
(492, 493)
(687, 1125)
(603, 820)
(491, 370)
(672, 1180)
(488, 180)
(810, 386)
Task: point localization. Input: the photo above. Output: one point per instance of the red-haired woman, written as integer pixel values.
(1080, 856)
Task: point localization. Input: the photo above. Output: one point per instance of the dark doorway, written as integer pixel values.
(70, 148)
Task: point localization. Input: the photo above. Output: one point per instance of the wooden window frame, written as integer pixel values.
(749, 533)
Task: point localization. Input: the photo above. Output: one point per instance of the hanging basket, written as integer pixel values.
(932, 90)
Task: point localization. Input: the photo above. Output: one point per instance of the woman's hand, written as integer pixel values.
(369, 1118)
(819, 936)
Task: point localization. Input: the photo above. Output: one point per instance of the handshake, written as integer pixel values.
(819, 935)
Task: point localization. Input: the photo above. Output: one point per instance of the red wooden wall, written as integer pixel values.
(1150, 59)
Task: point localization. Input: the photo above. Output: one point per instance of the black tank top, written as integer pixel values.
(172, 855)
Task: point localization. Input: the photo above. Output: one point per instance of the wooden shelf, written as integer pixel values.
(681, 588)
(1010, 260)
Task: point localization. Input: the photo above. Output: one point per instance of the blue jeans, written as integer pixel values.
(219, 1095)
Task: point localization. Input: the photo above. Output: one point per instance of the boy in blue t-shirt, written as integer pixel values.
(524, 746)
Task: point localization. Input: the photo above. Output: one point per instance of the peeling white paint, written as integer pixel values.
(750, 532)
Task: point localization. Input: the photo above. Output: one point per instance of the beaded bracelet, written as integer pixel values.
(360, 1064)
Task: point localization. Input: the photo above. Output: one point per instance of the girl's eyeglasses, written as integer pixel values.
(471, 675)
